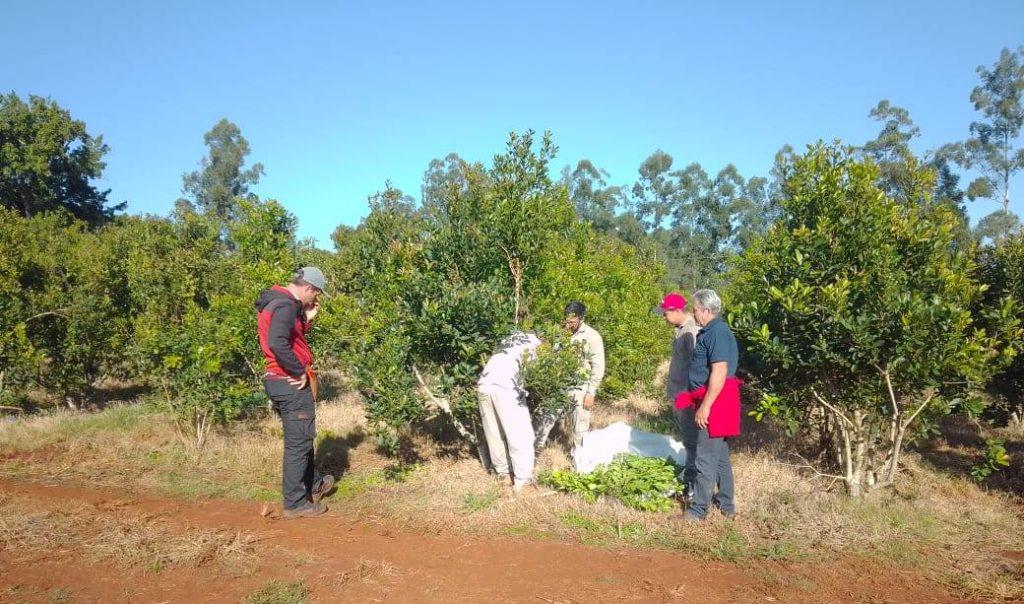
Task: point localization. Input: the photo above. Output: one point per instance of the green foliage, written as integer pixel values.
(63, 304)
(990, 149)
(431, 291)
(48, 161)
(618, 284)
(1002, 271)
(221, 181)
(996, 458)
(642, 483)
(837, 302)
(552, 372)
(206, 361)
(474, 502)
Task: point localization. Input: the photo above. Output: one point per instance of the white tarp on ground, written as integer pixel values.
(601, 446)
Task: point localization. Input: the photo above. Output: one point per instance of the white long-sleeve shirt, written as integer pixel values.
(501, 373)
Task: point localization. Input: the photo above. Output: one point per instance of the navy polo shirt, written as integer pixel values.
(715, 343)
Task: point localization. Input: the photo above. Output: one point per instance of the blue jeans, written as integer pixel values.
(713, 469)
(688, 432)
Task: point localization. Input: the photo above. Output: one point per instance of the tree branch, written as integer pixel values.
(830, 407)
(927, 400)
(59, 312)
(444, 405)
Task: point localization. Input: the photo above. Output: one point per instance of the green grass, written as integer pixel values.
(278, 592)
(355, 484)
(478, 502)
(35, 432)
(731, 546)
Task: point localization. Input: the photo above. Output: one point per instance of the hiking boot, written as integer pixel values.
(310, 511)
(326, 488)
(691, 518)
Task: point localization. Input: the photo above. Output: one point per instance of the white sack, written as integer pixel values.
(601, 446)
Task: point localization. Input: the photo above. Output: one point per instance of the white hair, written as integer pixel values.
(708, 300)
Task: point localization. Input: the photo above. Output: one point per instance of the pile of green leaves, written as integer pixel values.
(642, 483)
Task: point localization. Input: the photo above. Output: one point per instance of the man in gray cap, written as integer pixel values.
(286, 314)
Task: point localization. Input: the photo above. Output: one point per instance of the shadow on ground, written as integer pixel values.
(332, 452)
(961, 445)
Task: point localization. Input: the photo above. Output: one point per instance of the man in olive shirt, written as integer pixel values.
(581, 398)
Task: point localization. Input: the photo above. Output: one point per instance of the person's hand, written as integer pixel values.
(299, 383)
(312, 311)
(588, 401)
(703, 413)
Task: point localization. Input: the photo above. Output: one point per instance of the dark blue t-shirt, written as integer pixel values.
(715, 343)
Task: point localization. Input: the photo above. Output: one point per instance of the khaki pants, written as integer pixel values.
(508, 431)
(578, 415)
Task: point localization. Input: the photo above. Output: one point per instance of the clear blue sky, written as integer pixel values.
(336, 97)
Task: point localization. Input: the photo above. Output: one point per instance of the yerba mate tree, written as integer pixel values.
(429, 291)
(860, 306)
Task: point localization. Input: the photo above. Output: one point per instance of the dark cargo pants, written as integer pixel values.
(298, 421)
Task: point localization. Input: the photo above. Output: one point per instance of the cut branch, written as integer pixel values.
(445, 406)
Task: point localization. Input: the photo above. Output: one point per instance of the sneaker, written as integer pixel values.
(326, 488)
(310, 511)
(691, 518)
(518, 487)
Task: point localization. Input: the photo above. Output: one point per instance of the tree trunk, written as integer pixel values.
(515, 266)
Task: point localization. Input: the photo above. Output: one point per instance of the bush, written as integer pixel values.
(860, 307)
(1002, 270)
(549, 375)
(429, 292)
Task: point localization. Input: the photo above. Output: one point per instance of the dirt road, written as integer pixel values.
(346, 561)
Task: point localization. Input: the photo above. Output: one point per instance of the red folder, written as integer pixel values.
(724, 420)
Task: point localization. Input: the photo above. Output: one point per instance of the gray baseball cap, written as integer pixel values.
(315, 277)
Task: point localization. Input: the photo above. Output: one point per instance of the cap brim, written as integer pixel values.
(658, 310)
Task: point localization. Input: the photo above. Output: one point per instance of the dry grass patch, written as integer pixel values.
(365, 571)
(129, 540)
(279, 592)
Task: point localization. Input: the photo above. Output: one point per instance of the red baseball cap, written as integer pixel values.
(673, 301)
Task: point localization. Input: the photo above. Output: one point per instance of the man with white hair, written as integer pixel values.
(713, 386)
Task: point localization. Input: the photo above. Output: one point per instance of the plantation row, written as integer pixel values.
(865, 305)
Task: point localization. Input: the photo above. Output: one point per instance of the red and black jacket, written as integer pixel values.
(282, 328)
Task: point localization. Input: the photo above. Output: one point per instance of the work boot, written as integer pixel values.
(325, 488)
(309, 511)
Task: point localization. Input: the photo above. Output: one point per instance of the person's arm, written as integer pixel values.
(597, 369)
(279, 340)
(716, 382)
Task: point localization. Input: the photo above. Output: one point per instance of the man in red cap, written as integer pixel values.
(673, 308)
